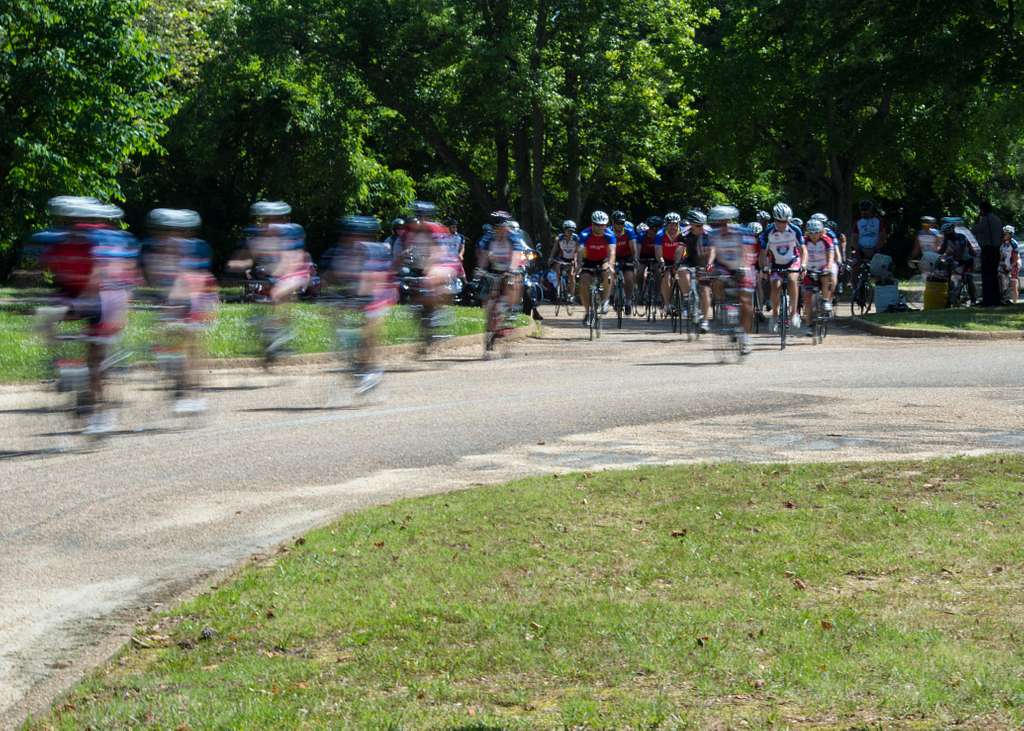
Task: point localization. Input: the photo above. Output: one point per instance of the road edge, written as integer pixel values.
(907, 332)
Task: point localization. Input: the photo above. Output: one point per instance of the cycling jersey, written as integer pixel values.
(783, 246)
(596, 249)
(817, 252)
(647, 244)
(623, 241)
(567, 246)
(869, 232)
(695, 239)
(732, 245)
(501, 250)
(669, 244)
(957, 246)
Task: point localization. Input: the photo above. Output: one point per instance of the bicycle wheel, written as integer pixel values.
(783, 316)
(691, 315)
(620, 301)
(675, 307)
(593, 311)
(560, 296)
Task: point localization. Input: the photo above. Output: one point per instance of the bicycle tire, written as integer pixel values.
(559, 296)
(620, 300)
(691, 314)
(783, 316)
(675, 303)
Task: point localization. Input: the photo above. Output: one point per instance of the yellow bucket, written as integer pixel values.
(936, 295)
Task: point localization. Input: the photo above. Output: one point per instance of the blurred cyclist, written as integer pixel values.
(362, 265)
(94, 266)
(177, 265)
(730, 252)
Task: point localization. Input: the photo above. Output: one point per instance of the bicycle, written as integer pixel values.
(863, 293)
(785, 308)
(649, 292)
(691, 308)
(959, 290)
(563, 294)
(498, 312)
(596, 301)
(675, 305)
(728, 333)
(818, 314)
(619, 296)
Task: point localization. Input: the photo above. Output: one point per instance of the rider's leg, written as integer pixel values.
(665, 288)
(606, 278)
(705, 301)
(683, 276)
(793, 294)
(747, 311)
(776, 288)
(629, 280)
(585, 292)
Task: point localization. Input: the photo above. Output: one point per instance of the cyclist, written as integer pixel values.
(563, 254)
(730, 248)
(819, 257)
(927, 238)
(959, 251)
(178, 265)
(502, 261)
(394, 241)
(869, 233)
(647, 255)
(626, 254)
(596, 259)
(669, 248)
(429, 254)
(1009, 262)
(94, 265)
(274, 248)
(695, 256)
(763, 218)
(781, 244)
(362, 265)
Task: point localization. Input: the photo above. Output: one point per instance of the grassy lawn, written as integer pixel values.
(1001, 319)
(718, 596)
(22, 355)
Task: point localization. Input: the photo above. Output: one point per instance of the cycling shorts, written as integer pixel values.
(563, 261)
(592, 267)
(627, 265)
(809, 284)
(781, 272)
(742, 279)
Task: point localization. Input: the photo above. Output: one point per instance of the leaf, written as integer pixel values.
(679, 533)
(703, 641)
(827, 624)
(799, 584)
(790, 504)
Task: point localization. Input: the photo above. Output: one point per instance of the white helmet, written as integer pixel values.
(599, 217)
(818, 217)
(782, 212)
(673, 218)
(1009, 230)
(815, 226)
(269, 209)
(755, 228)
(723, 214)
(569, 224)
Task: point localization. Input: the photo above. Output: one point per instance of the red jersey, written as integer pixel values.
(596, 248)
(670, 245)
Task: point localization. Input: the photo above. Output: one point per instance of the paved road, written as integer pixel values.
(90, 540)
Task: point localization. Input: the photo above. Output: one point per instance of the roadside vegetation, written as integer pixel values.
(880, 595)
(23, 356)
(975, 319)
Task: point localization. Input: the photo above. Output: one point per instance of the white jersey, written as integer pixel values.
(783, 246)
(731, 244)
(817, 252)
(567, 246)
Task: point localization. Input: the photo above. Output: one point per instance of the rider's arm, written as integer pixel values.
(712, 253)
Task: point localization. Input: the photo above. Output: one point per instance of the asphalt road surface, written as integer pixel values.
(92, 540)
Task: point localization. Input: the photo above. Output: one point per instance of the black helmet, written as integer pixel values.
(764, 216)
(397, 223)
(618, 217)
(655, 222)
(867, 205)
(451, 222)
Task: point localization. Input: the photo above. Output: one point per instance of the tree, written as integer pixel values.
(81, 93)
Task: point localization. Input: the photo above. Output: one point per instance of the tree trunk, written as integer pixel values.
(524, 178)
(541, 231)
(573, 176)
(501, 171)
(842, 171)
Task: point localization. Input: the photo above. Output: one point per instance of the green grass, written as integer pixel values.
(23, 357)
(978, 319)
(724, 596)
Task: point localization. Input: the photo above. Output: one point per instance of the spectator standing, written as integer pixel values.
(989, 233)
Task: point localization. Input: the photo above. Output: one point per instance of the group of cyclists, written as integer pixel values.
(715, 249)
(96, 265)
